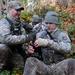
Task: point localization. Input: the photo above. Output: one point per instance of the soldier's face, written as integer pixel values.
(15, 12)
(51, 27)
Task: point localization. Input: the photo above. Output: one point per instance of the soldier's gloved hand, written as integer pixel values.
(29, 37)
(40, 42)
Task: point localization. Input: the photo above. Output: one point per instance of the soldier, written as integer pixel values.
(57, 44)
(12, 37)
(35, 18)
(37, 23)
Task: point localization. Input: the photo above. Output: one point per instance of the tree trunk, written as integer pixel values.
(0, 9)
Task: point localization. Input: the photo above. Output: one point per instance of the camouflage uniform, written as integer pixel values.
(10, 43)
(53, 53)
(58, 46)
(35, 67)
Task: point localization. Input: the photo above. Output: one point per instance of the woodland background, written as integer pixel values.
(64, 8)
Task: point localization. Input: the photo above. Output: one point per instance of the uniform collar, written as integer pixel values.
(14, 21)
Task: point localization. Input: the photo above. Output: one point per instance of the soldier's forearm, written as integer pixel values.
(60, 46)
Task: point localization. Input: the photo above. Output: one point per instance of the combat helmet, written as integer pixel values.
(35, 18)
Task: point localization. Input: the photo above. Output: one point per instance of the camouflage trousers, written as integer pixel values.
(9, 59)
(34, 66)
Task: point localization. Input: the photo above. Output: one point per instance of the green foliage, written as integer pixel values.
(25, 16)
(60, 23)
(71, 56)
(64, 16)
(72, 53)
(25, 1)
(71, 30)
(4, 15)
(44, 10)
(5, 72)
(16, 70)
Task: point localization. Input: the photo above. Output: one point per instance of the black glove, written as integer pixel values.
(27, 27)
(29, 37)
